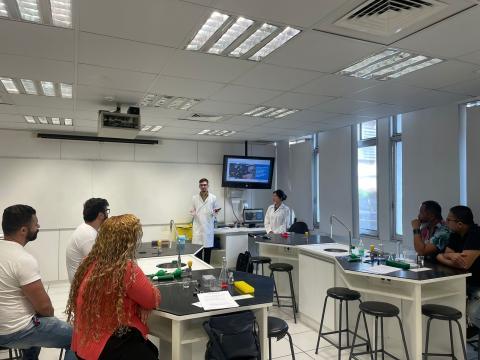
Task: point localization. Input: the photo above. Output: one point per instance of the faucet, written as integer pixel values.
(179, 258)
(333, 217)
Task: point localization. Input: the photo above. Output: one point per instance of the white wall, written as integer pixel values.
(56, 177)
(473, 161)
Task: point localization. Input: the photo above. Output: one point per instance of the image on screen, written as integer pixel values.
(248, 170)
(252, 216)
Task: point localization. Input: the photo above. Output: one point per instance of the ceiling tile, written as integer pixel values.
(275, 77)
(244, 95)
(246, 121)
(384, 110)
(345, 120)
(297, 101)
(468, 88)
(93, 96)
(344, 106)
(195, 65)
(43, 102)
(191, 88)
(336, 85)
(8, 109)
(220, 107)
(36, 69)
(162, 22)
(114, 78)
(310, 116)
(122, 54)
(315, 50)
(11, 118)
(473, 57)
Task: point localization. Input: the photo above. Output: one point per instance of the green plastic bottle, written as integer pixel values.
(361, 249)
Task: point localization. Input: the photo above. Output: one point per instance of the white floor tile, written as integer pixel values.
(299, 356)
(307, 341)
(282, 348)
(328, 353)
(297, 328)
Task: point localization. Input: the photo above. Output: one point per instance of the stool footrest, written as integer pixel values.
(438, 354)
(322, 335)
(354, 355)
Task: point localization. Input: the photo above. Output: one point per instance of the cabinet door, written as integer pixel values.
(315, 277)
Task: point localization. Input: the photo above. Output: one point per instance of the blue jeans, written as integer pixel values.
(473, 306)
(48, 332)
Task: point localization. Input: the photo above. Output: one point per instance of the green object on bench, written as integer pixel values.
(353, 258)
(164, 278)
(398, 264)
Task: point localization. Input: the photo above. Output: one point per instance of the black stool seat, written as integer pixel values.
(441, 312)
(277, 327)
(341, 293)
(378, 308)
(260, 260)
(280, 267)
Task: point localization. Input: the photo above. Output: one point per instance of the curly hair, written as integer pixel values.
(106, 286)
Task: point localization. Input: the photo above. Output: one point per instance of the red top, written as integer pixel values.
(139, 294)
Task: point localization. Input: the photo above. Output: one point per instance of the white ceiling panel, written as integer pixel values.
(43, 102)
(336, 85)
(344, 106)
(315, 50)
(11, 118)
(92, 96)
(122, 54)
(467, 88)
(221, 107)
(303, 13)
(114, 78)
(473, 57)
(453, 37)
(384, 110)
(36, 69)
(162, 22)
(245, 95)
(15, 126)
(42, 111)
(289, 124)
(311, 116)
(21, 38)
(345, 120)
(8, 109)
(276, 77)
(191, 88)
(194, 65)
(297, 101)
(246, 121)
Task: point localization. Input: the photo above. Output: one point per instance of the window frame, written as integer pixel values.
(395, 138)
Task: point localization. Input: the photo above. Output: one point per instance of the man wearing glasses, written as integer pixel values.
(463, 252)
(95, 212)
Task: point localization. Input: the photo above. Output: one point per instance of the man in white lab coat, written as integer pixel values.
(204, 211)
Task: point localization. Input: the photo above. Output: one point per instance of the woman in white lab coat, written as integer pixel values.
(204, 210)
(278, 217)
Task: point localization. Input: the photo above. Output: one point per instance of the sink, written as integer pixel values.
(335, 250)
(170, 265)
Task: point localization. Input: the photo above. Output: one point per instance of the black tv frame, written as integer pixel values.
(246, 185)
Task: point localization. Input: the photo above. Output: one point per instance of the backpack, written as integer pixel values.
(232, 337)
(243, 262)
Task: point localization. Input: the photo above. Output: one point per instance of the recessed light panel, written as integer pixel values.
(29, 87)
(61, 13)
(232, 34)
(3, 9)
(151, 128)
(32, 87)
(29, 119)
(52, 12)
(168, 102)
(9, 85)
(389, 64)
(207, 30)
(48, 88)
(66, 90)
(55, 121)
(217, 132)
(44, 120)
(253, 40)
(68, 122)
(270, 112)
(29, 10)
(275, 43)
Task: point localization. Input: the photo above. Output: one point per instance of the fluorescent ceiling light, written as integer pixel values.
(55, 121)
(68, 122)
(265, 112)
(277, 112)
(271, 112)
(146, 127)
(66, 90)
(217, 132)
(156, 128)
(42, 119)
(286, 114)
(189, 104)
(9, 85)
(29, 87)
(230, 133)
(251, 112)
(48, 88)
(3, 9)
(175, 104)
(237, 29)
(61, 13)
(389, 64)
(29, 119)
(214, 22)
(275, 43)
(473, 104)
(203, 132)
(29, 10)
(257, 37)
(163, 100)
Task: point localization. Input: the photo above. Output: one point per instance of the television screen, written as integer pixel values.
(247, 172)
(253, 216)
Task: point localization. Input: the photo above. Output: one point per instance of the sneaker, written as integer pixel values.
(472, 331)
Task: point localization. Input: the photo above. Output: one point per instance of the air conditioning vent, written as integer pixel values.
(202, 117)
(388, 17)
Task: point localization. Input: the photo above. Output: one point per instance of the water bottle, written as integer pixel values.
(223, 278)
(361, 248)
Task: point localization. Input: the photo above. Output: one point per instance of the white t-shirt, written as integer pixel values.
(80, 244)
(17, 268)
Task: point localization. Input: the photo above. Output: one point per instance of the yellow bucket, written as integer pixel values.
(185, 230)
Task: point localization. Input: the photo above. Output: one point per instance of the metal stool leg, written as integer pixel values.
(369, 346)
(355, 335)
(321, 323)
(425, 356)
(376, 336)
(291, 346)
(340, 332)
(461, 339)
(262, 271)
(348, 332)
(275, 288)
(403, 337)
(294, 301)
(452, 349)
(382, 338)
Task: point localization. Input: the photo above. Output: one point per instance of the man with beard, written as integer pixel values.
(26, 312)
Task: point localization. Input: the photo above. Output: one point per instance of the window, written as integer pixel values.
(367, 178)
(396, 176)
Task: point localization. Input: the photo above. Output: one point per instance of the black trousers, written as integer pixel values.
(131, 345)
(205, 255)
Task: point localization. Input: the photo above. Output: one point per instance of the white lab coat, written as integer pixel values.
(203, 219)
(278, 220)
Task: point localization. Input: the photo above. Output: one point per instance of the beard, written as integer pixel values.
(32, 235)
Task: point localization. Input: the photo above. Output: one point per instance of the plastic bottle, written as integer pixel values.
(223, 278)
(361, 248)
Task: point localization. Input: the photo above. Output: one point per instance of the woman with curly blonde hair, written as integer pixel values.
(110, 297)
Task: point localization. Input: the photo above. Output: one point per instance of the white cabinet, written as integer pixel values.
(316, 276)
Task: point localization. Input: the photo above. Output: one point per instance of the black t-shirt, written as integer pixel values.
(471, 241)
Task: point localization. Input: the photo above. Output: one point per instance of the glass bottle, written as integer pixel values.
(223, 278)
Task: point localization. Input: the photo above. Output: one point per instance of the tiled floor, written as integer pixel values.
(304, 338)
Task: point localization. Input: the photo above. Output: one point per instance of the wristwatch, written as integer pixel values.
(416, 232)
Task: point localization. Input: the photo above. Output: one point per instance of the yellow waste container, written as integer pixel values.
(185, 230)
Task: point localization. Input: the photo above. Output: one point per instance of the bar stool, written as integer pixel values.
(260, 260)
(282, 267)
(379, 310)
(278, 328)
(13, 354)
(445, 313)
(342, 294)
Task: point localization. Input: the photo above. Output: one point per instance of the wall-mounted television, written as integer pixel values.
(248, 172)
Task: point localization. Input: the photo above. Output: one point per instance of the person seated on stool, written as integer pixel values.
(462, 252)
(430, 233)
(279, 216)
(26, 311)
(111, 298)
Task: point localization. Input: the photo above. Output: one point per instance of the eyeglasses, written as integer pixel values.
(107, 211)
